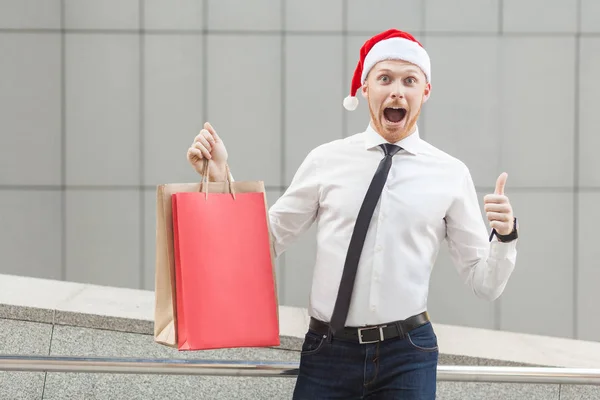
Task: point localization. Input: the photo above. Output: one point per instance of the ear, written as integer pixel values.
(426, 92)
(364, 90)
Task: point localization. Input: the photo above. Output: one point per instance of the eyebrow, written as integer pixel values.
(408, 70)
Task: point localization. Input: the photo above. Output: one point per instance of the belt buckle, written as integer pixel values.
(381, 338)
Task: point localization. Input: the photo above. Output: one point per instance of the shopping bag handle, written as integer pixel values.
(206, 175)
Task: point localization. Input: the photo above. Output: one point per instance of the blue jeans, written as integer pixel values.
(399, 368)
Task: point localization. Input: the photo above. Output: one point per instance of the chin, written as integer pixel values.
(393, 130)
(397, 127)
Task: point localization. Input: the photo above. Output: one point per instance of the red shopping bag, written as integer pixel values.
(224, 276)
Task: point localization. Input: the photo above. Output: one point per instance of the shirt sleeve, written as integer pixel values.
(485, 266)
(296, 210)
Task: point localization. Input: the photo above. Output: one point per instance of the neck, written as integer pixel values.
(394, 137)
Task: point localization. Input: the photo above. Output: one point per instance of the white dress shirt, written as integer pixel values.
(429, 196)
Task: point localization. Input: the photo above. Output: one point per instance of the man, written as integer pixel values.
(383, 201)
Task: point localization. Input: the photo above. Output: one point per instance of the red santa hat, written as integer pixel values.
(389, 45)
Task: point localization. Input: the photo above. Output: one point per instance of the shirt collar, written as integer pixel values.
(411, 143)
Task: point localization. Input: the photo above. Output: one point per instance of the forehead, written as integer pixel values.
(398, 66)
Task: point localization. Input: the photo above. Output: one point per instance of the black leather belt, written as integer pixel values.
(372, 334)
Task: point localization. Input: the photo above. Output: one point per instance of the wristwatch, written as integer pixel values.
(510, 237)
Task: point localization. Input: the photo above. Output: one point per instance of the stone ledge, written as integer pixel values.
(104, 307)
(130, 310)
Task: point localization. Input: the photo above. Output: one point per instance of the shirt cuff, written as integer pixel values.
(502, 250)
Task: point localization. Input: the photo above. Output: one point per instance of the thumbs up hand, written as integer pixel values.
(498, 209)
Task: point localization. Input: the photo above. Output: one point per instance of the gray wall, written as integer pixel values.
(99, 101)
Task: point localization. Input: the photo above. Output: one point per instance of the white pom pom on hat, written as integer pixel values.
(350, 103)
(389, 45)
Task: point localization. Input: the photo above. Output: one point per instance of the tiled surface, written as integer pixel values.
(27, 338)
(103, 237)
(495, 391)
(462, 15)
(534, 120)
(539, 296)
(579, 392)
(590, 16)
(71, 318)
(30, 238)
(128, 310)
(258, 15)
(379, 15)
(68, 386)
(540, 16)
(173, 15)
(26, 313)
(252, 134)
(23, 338)
(149, 262)
(301, 15)
(589, 117)
(30, 94)
(588, 273)
(118, 107)
(75, 341)
(30, 14)
(99, 343)
(458, 121)
(173, 117)
(357, 120)
(301, 133)
(102, 109)
(92, 14)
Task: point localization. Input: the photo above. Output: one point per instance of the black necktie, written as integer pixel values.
(357, 241)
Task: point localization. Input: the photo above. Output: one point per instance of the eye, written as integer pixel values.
(384, 78)
(410, 80)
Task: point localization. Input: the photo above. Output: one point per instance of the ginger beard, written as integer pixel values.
(394, 120)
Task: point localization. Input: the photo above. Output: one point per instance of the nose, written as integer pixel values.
(397, 93)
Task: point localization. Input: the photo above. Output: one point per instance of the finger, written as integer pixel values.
(212, 131)
(495, 198)
(495, 224)
(494, 216)
(497, 207)
(501, 183)
(203, 149)
(500, 226)
(204, 142)
(208, 136)
(204, 134)
(195, 155)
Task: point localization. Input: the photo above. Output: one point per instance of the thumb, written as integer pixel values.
(501, 183)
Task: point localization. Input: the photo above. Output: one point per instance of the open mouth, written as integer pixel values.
(394, 114)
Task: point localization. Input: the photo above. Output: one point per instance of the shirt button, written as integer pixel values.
(378, 248)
